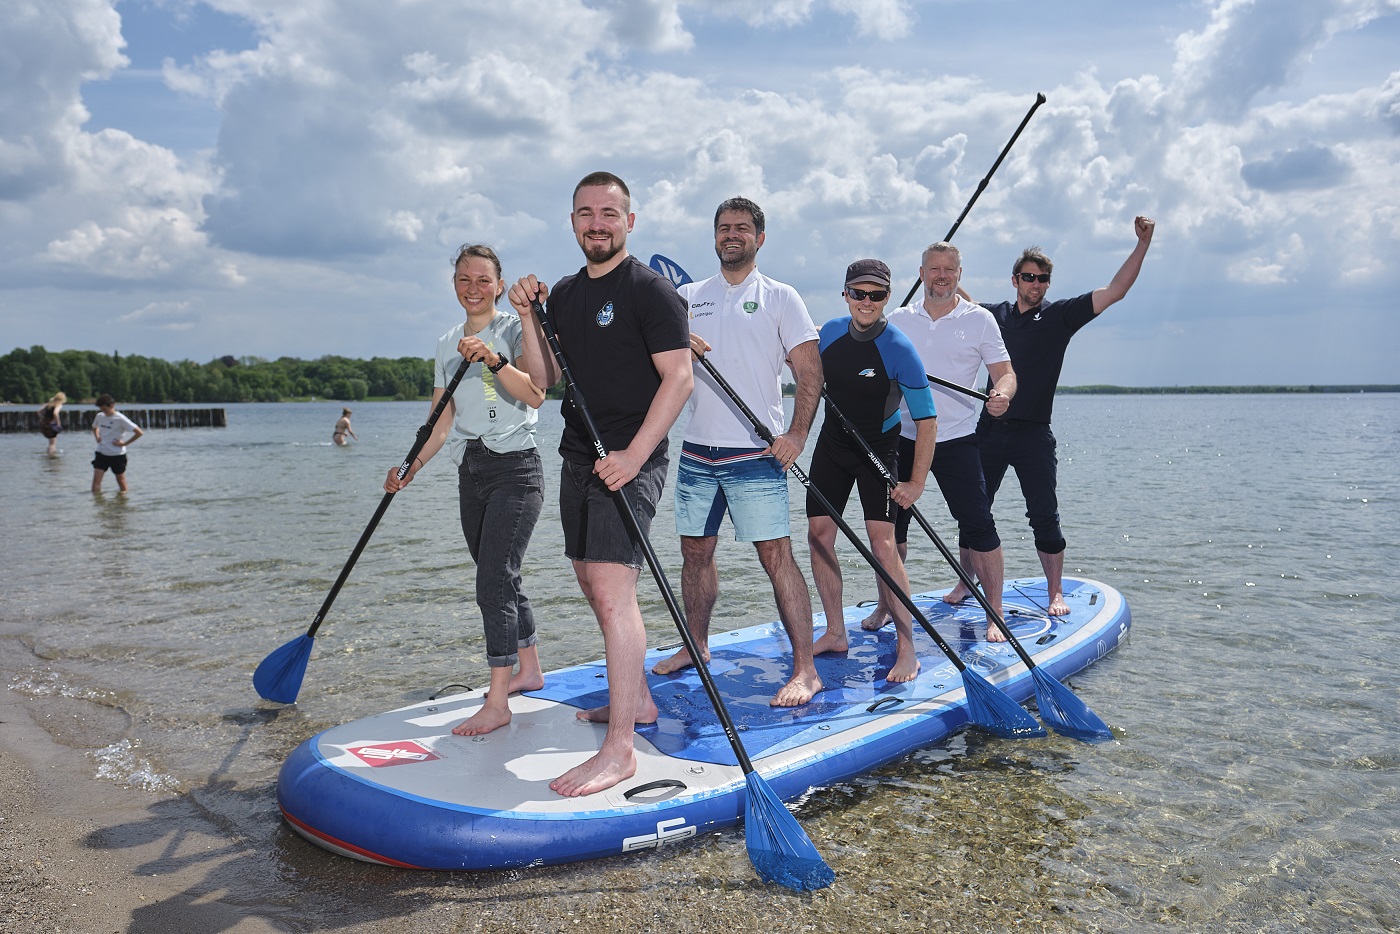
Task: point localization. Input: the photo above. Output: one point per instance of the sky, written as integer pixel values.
(190, 179)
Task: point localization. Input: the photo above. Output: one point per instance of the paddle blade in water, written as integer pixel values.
(279, 676)
(996, 713)
(1066, 714)
(780, 849)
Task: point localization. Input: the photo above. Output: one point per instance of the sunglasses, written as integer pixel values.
(1034, 277)
(860, 295)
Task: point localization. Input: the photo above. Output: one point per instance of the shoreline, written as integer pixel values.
(78, 853)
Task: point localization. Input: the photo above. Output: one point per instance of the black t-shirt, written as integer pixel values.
(609, 328)
(1037, 341)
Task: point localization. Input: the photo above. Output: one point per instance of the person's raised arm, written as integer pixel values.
(1127, 274)
(539, 360)
(677, 379)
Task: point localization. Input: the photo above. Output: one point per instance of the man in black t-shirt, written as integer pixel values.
(1036, 336)
(625, 331)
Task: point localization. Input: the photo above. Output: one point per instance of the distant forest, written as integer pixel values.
(33, 375)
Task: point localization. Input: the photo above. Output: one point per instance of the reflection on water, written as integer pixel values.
(1253, 788)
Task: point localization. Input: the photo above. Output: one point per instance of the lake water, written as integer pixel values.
(1255, 784)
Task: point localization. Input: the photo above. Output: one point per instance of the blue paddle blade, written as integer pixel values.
(670, 269)
(1066, 714)
(279, 676)
(779, 848)
(996, 713)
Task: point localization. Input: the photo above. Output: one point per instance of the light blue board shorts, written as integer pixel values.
(750, 485)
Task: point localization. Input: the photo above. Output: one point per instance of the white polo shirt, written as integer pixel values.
(752, 327)
(954, 348)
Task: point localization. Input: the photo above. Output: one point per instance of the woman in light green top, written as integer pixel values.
(490, 434)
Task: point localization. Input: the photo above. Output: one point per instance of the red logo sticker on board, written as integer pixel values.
(401, 752)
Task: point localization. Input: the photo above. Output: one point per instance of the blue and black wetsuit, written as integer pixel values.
(867, 373)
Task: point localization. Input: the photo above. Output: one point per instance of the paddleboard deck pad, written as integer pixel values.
(400, 789)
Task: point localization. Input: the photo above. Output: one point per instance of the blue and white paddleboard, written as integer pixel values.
(400, 789)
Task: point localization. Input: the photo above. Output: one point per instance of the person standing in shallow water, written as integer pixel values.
(49, 423)
(489, 431)
(342, 428)
(114, 433)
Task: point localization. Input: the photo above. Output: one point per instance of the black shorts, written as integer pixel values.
(836, 466)
(594, 529)
(116, 463)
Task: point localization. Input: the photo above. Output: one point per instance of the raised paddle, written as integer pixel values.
(1060, 707)
(987, 707)
(278, 677)
(948, 384)
(778, 847)
(1039, 99)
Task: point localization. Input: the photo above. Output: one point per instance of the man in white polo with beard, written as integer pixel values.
(955, 338)
(748, 326)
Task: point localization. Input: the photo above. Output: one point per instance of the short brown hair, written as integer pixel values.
(603, 180)
(1033, 254)
(480, 251)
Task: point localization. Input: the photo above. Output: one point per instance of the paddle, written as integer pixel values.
(1059, 706)
(1039, 99)
(777, 845)
(987, 707)
(278, 677)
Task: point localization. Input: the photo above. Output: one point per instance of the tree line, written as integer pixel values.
(34, 375)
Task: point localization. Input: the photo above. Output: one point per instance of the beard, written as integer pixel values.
(940, 295)
(739, 260)
(599, 253)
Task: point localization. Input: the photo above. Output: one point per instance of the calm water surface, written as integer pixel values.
(1255, 785)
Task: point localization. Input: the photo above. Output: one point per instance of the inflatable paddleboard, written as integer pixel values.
(400, 789)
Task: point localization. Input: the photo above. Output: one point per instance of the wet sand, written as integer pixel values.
(81, 854)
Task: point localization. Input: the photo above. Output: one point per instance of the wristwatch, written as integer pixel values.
(499, 363)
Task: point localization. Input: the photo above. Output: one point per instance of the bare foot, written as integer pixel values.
(994, 633)
(878, 619)
(678, 662)
(597, 774)
(798, 691)
(906, 666)
(600, 714)
(520, 681)
(833, 640)
(957, 595)
(1058, 606)
(483, 721)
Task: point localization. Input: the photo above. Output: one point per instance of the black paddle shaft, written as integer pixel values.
(634, 528)
(767, 435)
(963, 576)
(424, 431)
(1039, 99)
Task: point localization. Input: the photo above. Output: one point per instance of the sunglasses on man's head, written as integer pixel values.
(860, 295)
(1041, 277)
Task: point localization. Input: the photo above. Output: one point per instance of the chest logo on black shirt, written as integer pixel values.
(1036, 316)
(606, 315)
(868, 372)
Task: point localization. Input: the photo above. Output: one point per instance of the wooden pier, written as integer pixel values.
(79, 418)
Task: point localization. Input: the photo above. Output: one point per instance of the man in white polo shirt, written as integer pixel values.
(956, 338)
(748, 326)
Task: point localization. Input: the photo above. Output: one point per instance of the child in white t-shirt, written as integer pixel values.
(113, 432)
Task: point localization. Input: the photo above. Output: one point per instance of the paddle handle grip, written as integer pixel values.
(1039, 99)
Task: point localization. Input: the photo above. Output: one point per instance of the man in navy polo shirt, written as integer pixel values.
(1037, 335)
